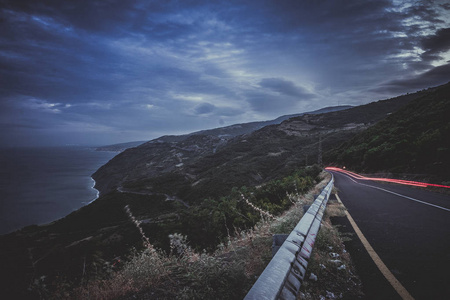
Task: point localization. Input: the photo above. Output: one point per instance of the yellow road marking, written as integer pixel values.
(377, 260)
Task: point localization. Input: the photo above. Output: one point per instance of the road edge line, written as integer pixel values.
(399, 288)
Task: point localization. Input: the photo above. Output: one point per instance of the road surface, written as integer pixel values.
(409, 228)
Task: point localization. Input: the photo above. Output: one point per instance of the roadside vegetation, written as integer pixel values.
(229, 271)
(93, 243)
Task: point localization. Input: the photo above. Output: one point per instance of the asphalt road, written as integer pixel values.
(412, 238)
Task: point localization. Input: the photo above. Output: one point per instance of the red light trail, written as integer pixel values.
(398, 181)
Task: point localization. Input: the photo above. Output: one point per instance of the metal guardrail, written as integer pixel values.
(284, 274)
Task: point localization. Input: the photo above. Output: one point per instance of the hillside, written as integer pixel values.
(202, 166)
(414, 140)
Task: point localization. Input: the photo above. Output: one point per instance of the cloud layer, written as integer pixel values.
(96, 72)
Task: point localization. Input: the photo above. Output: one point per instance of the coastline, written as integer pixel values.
(85, 203)
(97, 193)
(43, 185)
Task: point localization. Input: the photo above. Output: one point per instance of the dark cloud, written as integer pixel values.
(204, 108)
(435, 76)
(122, 70)
(436, 44)
(285, 87)
(425, 12)
(97, 16)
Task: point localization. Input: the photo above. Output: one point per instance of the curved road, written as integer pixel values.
(408, 227)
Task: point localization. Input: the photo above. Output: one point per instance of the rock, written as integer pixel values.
(333, 255)
(322, 266)
(342, 267)
(336, 261)
(313, 277)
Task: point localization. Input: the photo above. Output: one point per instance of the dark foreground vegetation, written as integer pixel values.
(92, 243)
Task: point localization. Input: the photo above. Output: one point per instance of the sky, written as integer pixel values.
(91, 72)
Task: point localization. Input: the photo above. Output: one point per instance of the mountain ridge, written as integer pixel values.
(230, 130)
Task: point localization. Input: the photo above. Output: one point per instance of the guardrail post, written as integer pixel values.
(277, 241)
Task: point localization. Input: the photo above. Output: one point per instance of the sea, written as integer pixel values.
(41, 185)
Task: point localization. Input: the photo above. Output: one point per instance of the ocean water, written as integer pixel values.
(41, 185)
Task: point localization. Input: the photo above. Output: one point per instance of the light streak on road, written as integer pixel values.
(398, 181)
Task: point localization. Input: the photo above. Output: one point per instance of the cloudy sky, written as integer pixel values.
(107, 71)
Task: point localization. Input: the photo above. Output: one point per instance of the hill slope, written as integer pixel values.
(415, 139)
(201, 166)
